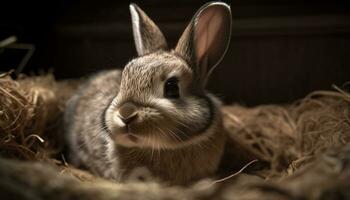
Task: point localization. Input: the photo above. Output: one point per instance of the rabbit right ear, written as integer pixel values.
(147, 36)
(206, 39)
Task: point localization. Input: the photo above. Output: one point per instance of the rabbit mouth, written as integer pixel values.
(155, 137)
(154, 128)
(128, 137)
(147, 136)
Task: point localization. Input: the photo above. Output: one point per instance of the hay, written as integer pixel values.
(288, 136)
(30, 113)
(305, 148)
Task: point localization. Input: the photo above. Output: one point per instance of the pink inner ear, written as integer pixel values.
(206, 29)
(211, 34)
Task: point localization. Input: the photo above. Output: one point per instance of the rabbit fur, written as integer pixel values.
(121, 120)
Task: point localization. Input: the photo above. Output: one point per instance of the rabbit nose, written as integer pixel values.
(128, 112)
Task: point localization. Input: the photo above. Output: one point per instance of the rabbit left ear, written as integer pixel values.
(206, 39)
(147, 36)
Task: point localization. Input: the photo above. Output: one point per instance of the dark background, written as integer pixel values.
(279, 51)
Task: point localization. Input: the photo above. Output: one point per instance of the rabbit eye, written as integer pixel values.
(171, 88)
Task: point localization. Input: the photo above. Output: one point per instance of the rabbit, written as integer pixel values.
(155, 113)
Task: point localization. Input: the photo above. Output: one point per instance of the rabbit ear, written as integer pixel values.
(147, 36)
(206, 39)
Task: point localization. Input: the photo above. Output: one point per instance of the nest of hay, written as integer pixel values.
(303, 150)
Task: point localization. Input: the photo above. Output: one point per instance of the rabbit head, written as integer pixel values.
(162, 102)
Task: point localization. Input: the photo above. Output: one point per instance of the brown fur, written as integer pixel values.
(177, 166)
(178, 140)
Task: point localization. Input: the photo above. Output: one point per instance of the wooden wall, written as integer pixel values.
(279, 51)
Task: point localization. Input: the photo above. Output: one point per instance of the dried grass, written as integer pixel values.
(289, 136)
(30, 116)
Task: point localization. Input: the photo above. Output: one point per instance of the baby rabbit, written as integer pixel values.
(155, 113)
